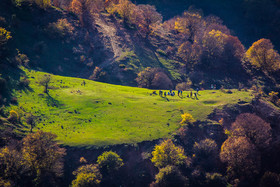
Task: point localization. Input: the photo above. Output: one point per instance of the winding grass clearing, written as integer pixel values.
(100, 114)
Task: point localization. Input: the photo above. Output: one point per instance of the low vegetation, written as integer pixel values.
(87, 113)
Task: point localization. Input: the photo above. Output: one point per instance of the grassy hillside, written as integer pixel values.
(102, 114)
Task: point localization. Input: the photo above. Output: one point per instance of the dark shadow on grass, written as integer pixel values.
(52, 101)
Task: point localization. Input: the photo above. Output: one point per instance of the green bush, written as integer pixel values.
(109, 161)
(86, 176)
(170, 176)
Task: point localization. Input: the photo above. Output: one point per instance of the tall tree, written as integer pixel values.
(253, 127)
(45, 81)
(241, 157)
(150, 15)
(42, 155)
(263, 56)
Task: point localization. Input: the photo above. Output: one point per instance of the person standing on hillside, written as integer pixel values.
(191, 94)
(195, 96)
(160, 93)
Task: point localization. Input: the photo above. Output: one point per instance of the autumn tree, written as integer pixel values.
(42, 155)
(30, 120)
(167, 153)
(189, 24)
(241, 157)
(45, 81)
(153, 78)
(161, 81)
(14, 117)
(60, 28)
(205, 148)
(98, 75)
(4, 36)
(123, 8)
(214, 43)
(11, 167)
(184, 85)
(190, 53)
(109, 162)
(263, 56)
(81, 9)
(150, 16)
(86, 176)
(221, 51)
(254, 128)
(170, 176)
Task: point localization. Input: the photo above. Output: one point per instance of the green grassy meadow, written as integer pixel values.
(100, 114)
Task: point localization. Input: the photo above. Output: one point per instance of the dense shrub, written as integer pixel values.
(22, 59)
(153, 78)
(170, 176)
(241, 157)
(187, 118)
(215, 179)
(14, 117)
(205, 148)
(109, 162)
(254, 128)
(98, 75)
(184, 85)
(167, 153)
(86, 176)
(60, 28)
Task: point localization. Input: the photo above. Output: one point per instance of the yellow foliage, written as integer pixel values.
(272, 93)
(262, 55)
(167, 154)
(41, 153)
(4, 36)
(221, 121)
(187, 118)
(227, 132)
(5, 183)
(14, 117)
(88, 175)
(43, 3)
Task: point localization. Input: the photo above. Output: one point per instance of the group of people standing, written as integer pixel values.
(180, 93)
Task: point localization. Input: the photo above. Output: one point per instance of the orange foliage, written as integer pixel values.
(254, 128)
(262, 55)
(241, 156)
